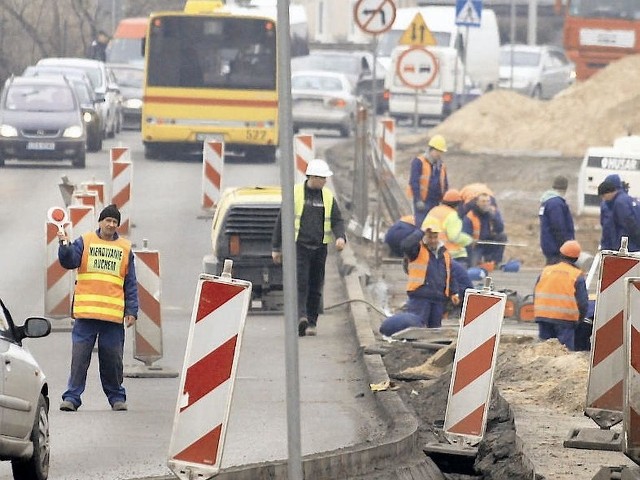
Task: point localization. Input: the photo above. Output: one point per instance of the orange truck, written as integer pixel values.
(127, 43)
(598, 32)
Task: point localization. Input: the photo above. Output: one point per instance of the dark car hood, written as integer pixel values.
(20, 119)
(131, 92)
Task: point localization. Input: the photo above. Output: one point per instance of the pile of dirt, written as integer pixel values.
(591, 113)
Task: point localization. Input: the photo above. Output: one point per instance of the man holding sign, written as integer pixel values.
(105, 299)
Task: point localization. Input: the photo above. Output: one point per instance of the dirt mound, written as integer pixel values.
(591, 113)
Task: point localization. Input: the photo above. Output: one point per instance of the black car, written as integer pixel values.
(41, 119)
(130, 78)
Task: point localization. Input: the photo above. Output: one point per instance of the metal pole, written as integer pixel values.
(415, 112)
(374, 87)
(512, 32)
(464, 66)
(532, 28)
(294, 465)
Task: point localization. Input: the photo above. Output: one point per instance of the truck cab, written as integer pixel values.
(241, 231)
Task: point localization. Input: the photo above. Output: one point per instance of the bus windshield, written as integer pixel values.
(622, 9)
(212, 52)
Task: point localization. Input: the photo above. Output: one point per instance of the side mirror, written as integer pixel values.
(36, 327)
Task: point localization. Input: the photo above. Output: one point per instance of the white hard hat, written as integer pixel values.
(318, 168)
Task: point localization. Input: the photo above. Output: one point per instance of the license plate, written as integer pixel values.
(209, 137)
(41, 146)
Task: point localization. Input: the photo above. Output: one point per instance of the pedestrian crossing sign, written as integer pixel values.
(417, 33)
(468, 12)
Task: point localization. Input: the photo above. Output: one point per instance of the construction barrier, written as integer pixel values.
(474, 365)
(387, 138)
(87, 198)
(212, 168)
(208, 375)
(304, 151)
(99, 188)
(82, 219)
(631, 414)
(57, 298)
(606, 372)
(119, 154)
(121, 179)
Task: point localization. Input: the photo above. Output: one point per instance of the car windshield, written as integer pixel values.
(333, 63)
(82, 91)
(519, 59)
(128, 77)
(312, 82)
(5, 328)
(39, 98)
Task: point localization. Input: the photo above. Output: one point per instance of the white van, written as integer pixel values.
(483, 45)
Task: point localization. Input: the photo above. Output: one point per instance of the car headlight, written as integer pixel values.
(87, 117)
(8, 131)
(75, 131)
(134, 103)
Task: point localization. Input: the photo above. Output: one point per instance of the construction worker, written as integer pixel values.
(484, 223)
(398, 232)
(430, 282)
(450, 226)
(619, 215)
(556, 222)
(470, 192)
(317, 220)
(561, 300)
(428, 178)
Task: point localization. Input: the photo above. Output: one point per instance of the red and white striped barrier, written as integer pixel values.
(119, 154)
(474, 365)
(121, 180)
(148, 327)
(86, 198)
(387, 139)
(99, 188)
(82, 219)
(304, 151)
(631, 413)
(57, 297)
(605, 382)
(212, 168)
(208, 375)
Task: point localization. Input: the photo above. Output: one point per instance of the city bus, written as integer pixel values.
(211, 73)
(598, 32)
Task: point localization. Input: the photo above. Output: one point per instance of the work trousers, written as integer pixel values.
(429, 311)
(565, 334)
(110, 338)
(310, 263)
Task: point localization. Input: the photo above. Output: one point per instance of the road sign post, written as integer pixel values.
(468, 14)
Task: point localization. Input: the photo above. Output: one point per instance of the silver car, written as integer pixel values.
(537, 71)
(24, 410)
(323, 100)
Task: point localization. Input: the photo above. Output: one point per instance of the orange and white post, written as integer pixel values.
(57, 297)
(631, 384)
(86, 198)
(387, 141)
(304, 151)
(208, 375)
(212, 168)
(473, 366)
(121, 180)
(606, 372)
(99, 188)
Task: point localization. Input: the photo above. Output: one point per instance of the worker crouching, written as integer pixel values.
(560, 297)
(430, 282)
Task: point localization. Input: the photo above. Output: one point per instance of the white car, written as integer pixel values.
(105, 85)
(537, 71)
(323, 100)
(24, 410)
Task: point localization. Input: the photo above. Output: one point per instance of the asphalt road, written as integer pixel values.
(337, 407)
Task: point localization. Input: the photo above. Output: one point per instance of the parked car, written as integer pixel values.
(130, 78)
(24, 410)
(41, 119)
(104, 84)
(323, 100)
(241, 230)
(86, 96)
(537, 71)
(356, 65)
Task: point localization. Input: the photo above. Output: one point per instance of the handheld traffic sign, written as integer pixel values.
(374, 16)
(417, 33)
(58, 216)
(417, 67)
(468, 13)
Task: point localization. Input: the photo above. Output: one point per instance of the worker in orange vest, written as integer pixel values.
(428, 178)
(561, 300)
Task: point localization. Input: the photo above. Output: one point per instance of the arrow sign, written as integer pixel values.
(417, 33)
(468, 12)
(374, 16)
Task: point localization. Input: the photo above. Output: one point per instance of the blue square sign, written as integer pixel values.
(468, 12)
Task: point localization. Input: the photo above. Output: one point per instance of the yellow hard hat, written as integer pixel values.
(438, 142)
(431, 224)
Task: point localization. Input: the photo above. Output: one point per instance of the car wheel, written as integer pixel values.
(120, 122)
(1, 160)
(96, 144)
(345, 131)
(80, 161)
(37, 467)
(151, 151)
(537, 92)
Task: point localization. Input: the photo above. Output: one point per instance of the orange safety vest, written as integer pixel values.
(475, 223)
(99, 292)
(555, 293)
(425, 176)
(440, 214)
(417, 270)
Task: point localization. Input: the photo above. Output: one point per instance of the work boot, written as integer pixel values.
(303, 324)
(119, 406)
(67, 406)
(311, 330)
